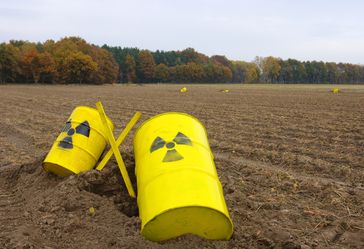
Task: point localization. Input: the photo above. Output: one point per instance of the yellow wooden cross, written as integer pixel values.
(114, 147)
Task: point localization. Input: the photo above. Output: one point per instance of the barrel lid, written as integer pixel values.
(168, 113)
(96, 113)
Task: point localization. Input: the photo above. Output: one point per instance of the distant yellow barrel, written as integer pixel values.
(335, 90)
(183, 89)
(80, 144)
(179, 191)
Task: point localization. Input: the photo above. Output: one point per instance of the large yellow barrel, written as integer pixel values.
(179, 191)
(80, 144)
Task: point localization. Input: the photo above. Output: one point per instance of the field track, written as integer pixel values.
(290, 159)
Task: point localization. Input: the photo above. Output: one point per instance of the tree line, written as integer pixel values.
(73, 60)
(70, 60)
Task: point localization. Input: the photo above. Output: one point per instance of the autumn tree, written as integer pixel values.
(245, 72)
(99, 63)
(189, 73)
(31, 67)
(9, 62)
(48, 71)
(270, 69)
(189, 55)
(194, 72)
(226, 74)
(130, 69)
(222, 60)
(161, 73)
(49, 46)
(145, 67)
(217, 73)
(78, 68)
(108, 70)
(35, 64)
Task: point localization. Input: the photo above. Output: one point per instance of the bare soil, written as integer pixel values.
(290, 159)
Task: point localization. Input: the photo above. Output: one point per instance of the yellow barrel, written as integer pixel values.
(336, 90)
(80, 144)
(179, 191)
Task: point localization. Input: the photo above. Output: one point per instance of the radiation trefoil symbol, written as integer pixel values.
(172, 154)
(82, 129)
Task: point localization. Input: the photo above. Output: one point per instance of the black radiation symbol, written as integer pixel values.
(172, 154)
(83, 129)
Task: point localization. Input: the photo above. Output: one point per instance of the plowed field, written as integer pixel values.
(290, 159)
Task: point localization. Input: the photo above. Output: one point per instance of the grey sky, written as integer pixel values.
(305, 30)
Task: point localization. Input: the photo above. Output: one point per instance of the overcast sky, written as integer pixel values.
(328, 30)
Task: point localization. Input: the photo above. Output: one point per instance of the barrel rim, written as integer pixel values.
(167, 113)
(226, 215)
(47, 165)
(95, 110)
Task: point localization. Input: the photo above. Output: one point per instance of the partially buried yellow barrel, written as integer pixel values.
(179, 191)
(336, 90)
(80, 144)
